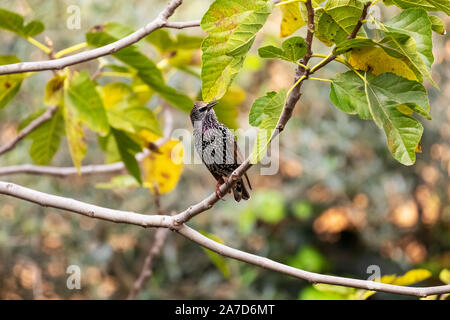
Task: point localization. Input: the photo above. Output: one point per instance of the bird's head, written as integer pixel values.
(201, 109)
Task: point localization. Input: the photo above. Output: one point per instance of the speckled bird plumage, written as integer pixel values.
(217, 147)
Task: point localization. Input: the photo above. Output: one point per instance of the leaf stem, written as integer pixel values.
(302, 65)
(116, 74)
(320, 79)
(295, 84)
(41, 46)
(71, 49)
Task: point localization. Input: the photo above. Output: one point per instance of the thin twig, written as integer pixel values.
(57, 64)
(47, 115)
(165, 221)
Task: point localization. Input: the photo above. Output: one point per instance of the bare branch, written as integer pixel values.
(61, 172)
(57, 64)
(47, 115)
(154, 251)
(165, 221)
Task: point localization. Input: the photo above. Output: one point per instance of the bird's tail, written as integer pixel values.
(240, 191)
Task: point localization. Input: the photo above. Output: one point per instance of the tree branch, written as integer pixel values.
(170, 222)
(154, 251)
(62, 172)
(57, 64)
(47, 115)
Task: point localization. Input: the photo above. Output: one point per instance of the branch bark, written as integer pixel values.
(170, 222)
(57, 64)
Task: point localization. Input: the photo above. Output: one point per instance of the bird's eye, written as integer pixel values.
(203, 109)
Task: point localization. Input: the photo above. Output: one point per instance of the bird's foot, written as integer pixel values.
(219, 183)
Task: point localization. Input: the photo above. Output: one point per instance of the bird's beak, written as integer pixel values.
(211, 104)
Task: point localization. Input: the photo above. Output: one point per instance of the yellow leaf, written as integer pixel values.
(163, 169)
(445, 276)
(75, 138)
(291, 20)
(408, 278)
(54, 90)
(376, 61)
(148, 136)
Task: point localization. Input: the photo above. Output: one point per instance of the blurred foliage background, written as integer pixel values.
(338, 204)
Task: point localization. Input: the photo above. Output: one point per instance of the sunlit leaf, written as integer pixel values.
(75, 137)
(376, 61)
(147, 70)
(265, 113)
(291, 19)
(124, 110)
(411, 277)
(83, 100)
(444, 275)
(437, 24)
(231, 26)
(409, 35)
(337, 19)
(377, 98)
(163, 168)
(54, 90)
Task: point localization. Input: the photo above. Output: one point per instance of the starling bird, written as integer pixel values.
(217, 147)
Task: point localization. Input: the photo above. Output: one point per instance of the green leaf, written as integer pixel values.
(309, 259)
(337, 19)
(437, 25)
(349, 44)
(46, 139)
(265, 113)
(124, 111)
(293, 50)
(162, 40)
(84, 101)
(231, 26)
(147, 70)
(75, 137)
(379, 98)
(268, 206)
(409, 34)
(227, 109)
(428, 5)
(216, 258)
(9, 84)
(14, 22)
(127, 149)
